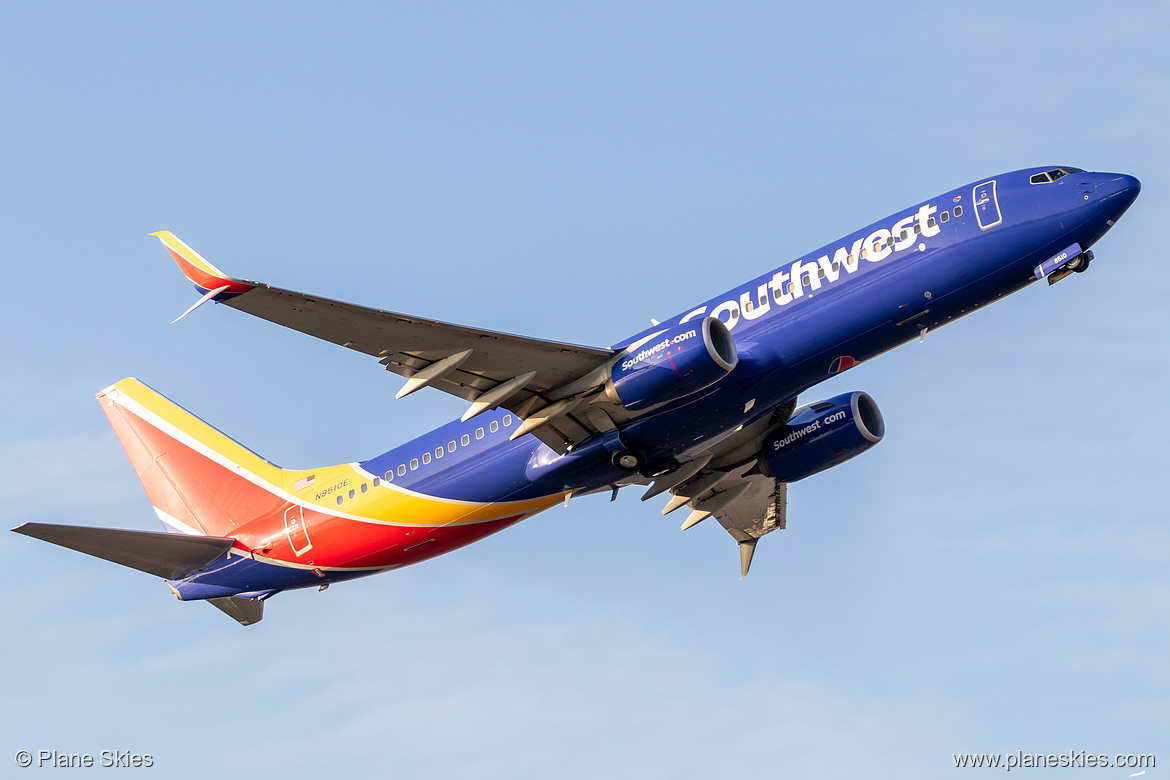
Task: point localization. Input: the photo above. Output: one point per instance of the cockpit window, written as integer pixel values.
(1052, 175)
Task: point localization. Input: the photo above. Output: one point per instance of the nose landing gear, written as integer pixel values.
(1080, 263)
(1077, 265)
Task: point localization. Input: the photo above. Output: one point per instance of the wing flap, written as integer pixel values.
(747, 504)
(759, 510)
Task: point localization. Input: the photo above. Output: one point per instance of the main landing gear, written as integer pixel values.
(629, 459)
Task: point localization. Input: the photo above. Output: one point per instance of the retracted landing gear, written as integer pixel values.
(629, 459)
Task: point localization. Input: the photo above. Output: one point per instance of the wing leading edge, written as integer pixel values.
(484, 367)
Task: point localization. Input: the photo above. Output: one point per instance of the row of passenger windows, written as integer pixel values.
(464, 441)
(353, 493)
(943, 217)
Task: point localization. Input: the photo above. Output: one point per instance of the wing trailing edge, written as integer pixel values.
(486, 368)
(747, 503)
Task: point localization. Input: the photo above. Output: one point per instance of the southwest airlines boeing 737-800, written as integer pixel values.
(702, 406)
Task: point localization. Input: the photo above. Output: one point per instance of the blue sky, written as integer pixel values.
(992, 578)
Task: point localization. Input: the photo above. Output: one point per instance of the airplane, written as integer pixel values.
(702, 406)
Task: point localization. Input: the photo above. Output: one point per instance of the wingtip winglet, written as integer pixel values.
(746, 550)
(205, 276)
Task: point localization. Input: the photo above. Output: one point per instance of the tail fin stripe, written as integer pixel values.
(240, 460)
(173, 522)
(160, 417)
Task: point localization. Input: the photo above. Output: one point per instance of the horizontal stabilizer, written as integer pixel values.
(245, 611)
(165, 555)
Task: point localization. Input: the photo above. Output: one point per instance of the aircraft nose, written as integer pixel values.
(1118, 188)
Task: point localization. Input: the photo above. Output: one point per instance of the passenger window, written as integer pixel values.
(806, 280)
(862, 254)
(821, 272)
(351, 494)
(930, 222)
(958, 211)
(451, 446)
(791, 287)
(401, 470)
(479, 433)
(905, 235)
(507, 420)
(917, 229)
(340, 500)
(390, 475)
(426, 458)
(365, 488)
(837, 266)
(438, 452)
(890, 241)
(465, 440)
(377, 482)
(413, 464)
(495, 426)
(945, 216)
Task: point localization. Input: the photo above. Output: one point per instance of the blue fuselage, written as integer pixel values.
(796, 326)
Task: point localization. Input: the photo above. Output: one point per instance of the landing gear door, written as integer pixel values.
(986, 205)
(296, 530)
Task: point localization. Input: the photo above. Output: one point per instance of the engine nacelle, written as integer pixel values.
(822, 435)
(678, 362)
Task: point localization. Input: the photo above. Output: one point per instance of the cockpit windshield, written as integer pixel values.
(1053, 175)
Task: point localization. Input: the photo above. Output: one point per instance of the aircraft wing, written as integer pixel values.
(745, 501)
(730, 483)
(406, 345)
(484, 367)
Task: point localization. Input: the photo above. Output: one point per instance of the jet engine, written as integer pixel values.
(674, 363)
(822, 435)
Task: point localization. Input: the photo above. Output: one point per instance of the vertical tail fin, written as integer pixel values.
(198, 480)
